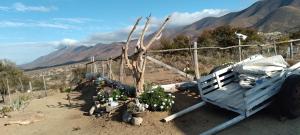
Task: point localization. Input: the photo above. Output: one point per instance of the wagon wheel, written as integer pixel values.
(289, 97)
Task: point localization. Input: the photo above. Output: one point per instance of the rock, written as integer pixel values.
(136, 121)
(126, 117)
(91, 111)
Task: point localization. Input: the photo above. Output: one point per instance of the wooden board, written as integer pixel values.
(229, 97)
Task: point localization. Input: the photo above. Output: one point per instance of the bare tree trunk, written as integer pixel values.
(138, 62)
(22, 87)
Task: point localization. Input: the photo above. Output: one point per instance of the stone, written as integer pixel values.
(136, 121)
(126, 117)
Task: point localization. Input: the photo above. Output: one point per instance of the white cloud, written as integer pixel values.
(51, 25)
(119, 35)
(185, 18)
(23, 8)
(11, 24)
(67, 42)
(5, 24)
(20, 7)
(3, 8)
(73, 20)
(177, 19)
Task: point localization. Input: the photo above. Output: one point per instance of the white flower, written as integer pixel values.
(161, 107)
(165, 99)
(155, 105)
(170, 94)
(163, 103)
(173, 96)
(146, 105)
(172, 102)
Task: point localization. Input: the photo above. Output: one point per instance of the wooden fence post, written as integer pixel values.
(240, 50)
(102, 63)
(45, 87)
(8, 91)
(291, 50)
(22, 87)
(196, 61)
(275, 48)
(30, 86)
(95, 67)
(261, 50)
(110, 69)
(121, 74)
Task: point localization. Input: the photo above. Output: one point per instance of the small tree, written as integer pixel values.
(137, 62)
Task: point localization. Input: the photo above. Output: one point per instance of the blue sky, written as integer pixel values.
(33, 28)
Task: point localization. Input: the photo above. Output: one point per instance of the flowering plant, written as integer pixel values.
(116, 95)
(157, 100)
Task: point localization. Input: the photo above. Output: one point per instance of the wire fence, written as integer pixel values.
(182, 59)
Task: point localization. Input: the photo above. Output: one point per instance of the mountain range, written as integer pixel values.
(263, 15)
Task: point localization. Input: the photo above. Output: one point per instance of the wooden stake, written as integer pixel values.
(30, 86)
(22, 87)
(196, 61)
(102, 63)
(291, 50)
(261, 50)
(275, 48)
(8, 91)
(122, 61)
(110, 69)
(240, 50)
(45, 88)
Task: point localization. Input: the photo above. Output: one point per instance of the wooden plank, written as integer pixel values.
(254, 96)
(263, 98)
(212, 82)
(205, 78)
(222, 82)
(225, 91)
(218, 80)
(267, 83)
(200, 88)
(251, 112)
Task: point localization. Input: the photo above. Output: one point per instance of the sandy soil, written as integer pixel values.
(55, 117)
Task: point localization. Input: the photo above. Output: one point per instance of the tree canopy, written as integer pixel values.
(224, 36)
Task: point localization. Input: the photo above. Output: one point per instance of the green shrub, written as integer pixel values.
(66, 90)
(157, 99)
(119, 95)
(6, 109)
(116, 94)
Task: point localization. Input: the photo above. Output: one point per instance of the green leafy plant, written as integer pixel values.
(157, 100)
(116, 95)
(6, 109)
(67, 90)
(119, 95)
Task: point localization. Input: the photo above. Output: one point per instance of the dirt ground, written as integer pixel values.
(53, 116)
